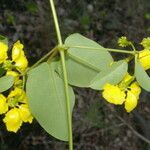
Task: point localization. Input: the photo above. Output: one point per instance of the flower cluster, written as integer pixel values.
(125, 92)
(13, 103)
(19, 60)
(144, 55)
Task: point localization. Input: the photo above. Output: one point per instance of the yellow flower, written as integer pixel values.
(17, 50)
(125, 81)
(21, 63)
(144, 58)
(13, 120)
(3, 104)
(3, 52)
(132, 96)
(19, 57)
(18, 94)
(117, 94)
(25, 113)
(127, 78)
(135, 89)
(113, 94)
(131, 101)
(14, 74)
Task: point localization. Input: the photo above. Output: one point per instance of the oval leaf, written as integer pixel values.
(6, 82)
(141, 76)
(78, 74)
(45, 90)
(113, 75)
(99, 59)
(84, 64)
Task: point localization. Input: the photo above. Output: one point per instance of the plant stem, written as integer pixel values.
(120, 51)
(129, 58)
(62, 55)
(67, 100)
(56, 22)
(24, 80)
(44, 57)
(133, 47)
(52, 56)
(103, 49)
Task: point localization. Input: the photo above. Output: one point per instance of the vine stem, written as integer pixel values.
(103, 49)
(62, 55)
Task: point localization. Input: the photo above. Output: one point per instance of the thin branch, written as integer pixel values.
(40, 60)
(129, 126)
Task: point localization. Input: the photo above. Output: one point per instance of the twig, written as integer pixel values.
(130, 127)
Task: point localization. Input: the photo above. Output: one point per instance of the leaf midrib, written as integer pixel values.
(81, 61)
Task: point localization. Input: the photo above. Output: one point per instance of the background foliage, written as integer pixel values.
(95, 126)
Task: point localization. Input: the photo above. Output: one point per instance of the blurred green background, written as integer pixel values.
(95, 127)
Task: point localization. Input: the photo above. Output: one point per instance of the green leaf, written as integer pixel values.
(6, 82)
(113, 75)
(84, 64)
(78, 74)
(142, 77)
(45, 90)
(99, 59)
